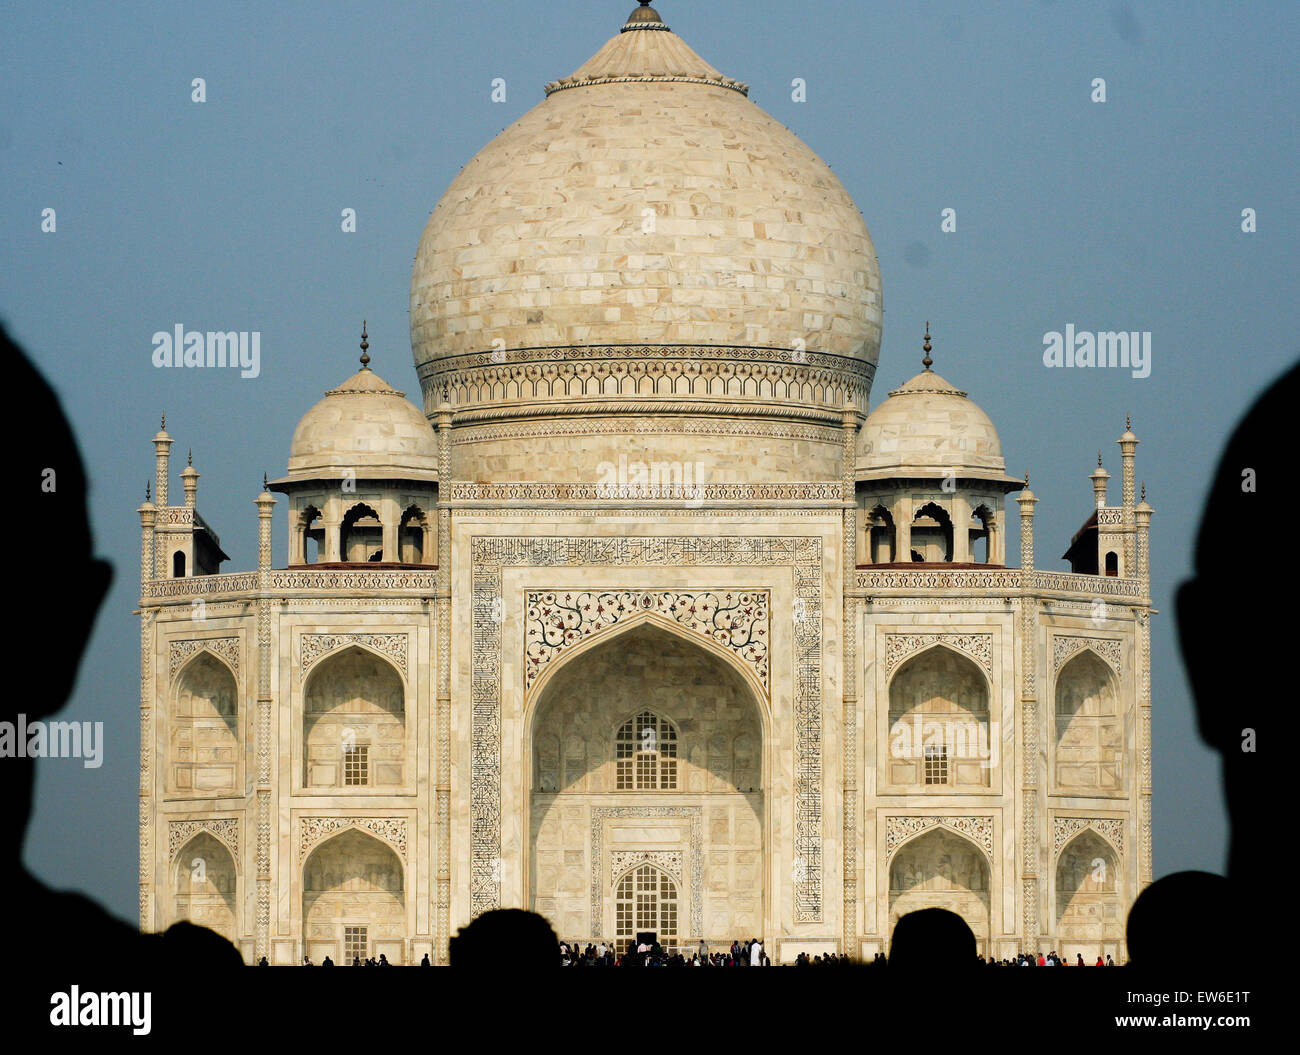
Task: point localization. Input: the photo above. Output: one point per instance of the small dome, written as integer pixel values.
(367, 426)
(928, 428)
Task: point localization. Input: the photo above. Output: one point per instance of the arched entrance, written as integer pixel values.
(204, 881)
(1089, 916)
(941, 869)
(647, 792)
(645, 901)
(353, 900)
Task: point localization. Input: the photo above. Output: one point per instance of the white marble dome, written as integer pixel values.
(928, 428)
(366, 426)
(646, 200)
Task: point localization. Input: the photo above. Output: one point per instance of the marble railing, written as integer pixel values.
(939, 579)
(293, 580)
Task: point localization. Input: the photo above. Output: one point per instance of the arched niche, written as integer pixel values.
(203, 733)
(354, 723)
(1089, 908)
(931, 534)
(205, 885)
(1089, 747)
(939, 735)
(361, 535)
(941, 869)
(353, 898)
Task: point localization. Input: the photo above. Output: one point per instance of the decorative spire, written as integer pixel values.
(147, 492)
(1026, 479)
(927, 362)
(644, 17)
(265, 483)
(365, 347)
(1128, 422)
(1099, 459)
(163, 427)
(1144, 490)
(189, 456)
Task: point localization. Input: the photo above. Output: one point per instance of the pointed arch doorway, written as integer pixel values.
(647, 792)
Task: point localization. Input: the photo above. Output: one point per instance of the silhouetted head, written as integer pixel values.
(63, 587)
(1234, 616)
(505, 938)
(932, 939)
(1169, 920)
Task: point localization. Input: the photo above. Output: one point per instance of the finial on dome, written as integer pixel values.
(365, 347)
(265, 482)
(147, 493)
(162, 427)
(1144, 490)
(644, 17)
(1026, 479)
(927, 362)
(1099, 459)
(189, 456)
(1128, 422)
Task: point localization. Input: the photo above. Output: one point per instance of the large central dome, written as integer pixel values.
(645, 211)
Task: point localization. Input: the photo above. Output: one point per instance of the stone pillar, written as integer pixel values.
(331, 518)
(442, 715)
(903, 528)
(146, 822)
(390, 514)
(849, 635)
(1142, 513)
(960, 529)
(297, 540)
(265, 511)
(1029, 783)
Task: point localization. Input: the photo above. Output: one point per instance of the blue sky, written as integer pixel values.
(225, 215)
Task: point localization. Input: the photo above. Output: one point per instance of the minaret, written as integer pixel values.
(162, 456)
(190, 481)
(1142, 513)
(1100, 478)
(1128, 447)
(1027, 502)
(148, 514)
(265, 511)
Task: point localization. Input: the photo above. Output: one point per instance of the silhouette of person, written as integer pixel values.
(1169, 920)
(63, 593)
(505, 938)
(932, 939)
(1234, 627)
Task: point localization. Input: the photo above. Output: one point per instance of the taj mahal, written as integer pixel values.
(645, 616)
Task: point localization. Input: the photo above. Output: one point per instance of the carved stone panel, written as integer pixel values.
(316, 646)
(899, 829)
(227, 648)
(558, 619)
